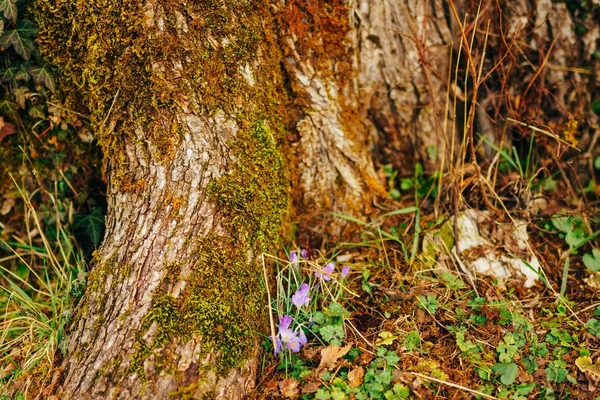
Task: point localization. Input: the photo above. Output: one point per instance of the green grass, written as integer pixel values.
(42, 274)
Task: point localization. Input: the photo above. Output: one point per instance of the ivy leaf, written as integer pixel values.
(20, 93)
(37, 112)
(92, 225)
(19, 38)
(507, 372)
(41, 75)
(9, 8)
(592, 261)
(10, 110)
(7, 75)
(22, 74)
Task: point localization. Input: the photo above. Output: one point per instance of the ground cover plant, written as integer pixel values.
(400, 309)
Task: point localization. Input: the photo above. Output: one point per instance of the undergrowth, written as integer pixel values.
(480, 277)
(42, 276)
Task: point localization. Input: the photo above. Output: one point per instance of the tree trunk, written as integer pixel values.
(188, 104)
(220, 121)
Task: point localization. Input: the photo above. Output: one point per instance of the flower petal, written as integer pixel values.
(285, 321)
(345, 271)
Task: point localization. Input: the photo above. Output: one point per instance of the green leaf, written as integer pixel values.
(8, 75)
(399, 391)
(412, 341)
(91, 224)
(406, 210)
(22, 74)
(332, 334)
(592, 261)
(429, 303)
(19, 39)
(9, 8)
(593, 327)
(26, 28)
(507, 372)
(41, 75)
(321, 394)
(507, 349)
(597, 162)
(556, 371)
(596, 107)
(37, 112)
(525, 388)
(10, 110)
(349, 218)
(386, 338)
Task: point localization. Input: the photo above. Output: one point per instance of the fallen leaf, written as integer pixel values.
(355, 377)
(6, 128)
(289, 388)
(592, 370)
(310, 387)
(387, 338)
(7, 205)
(330, 355)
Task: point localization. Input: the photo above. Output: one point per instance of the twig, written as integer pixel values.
(454, 385)
(111, 107)
(272, 323)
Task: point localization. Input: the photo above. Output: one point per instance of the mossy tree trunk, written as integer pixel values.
(220, 121)
(188, 104)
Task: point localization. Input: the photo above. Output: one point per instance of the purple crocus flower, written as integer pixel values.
(304, 253)
(326, 272)
(278, 345)
(345, 271)
(285, 321)
(293, 257)
(295, 343)
(291, 340)
(300, 298)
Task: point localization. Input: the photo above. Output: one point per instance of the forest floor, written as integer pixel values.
(419, 321)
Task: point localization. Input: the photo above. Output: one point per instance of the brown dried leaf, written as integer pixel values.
(355, 377)
(330, 355)
(7, 205)
(310, 387)
(289, 388)
(6, 128)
